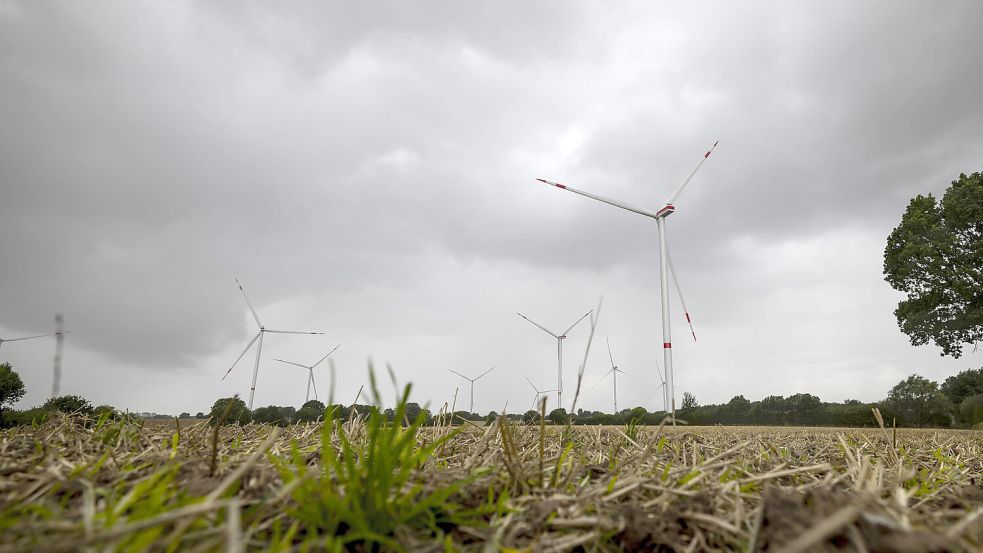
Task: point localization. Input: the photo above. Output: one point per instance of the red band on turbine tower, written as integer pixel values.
(667, 345)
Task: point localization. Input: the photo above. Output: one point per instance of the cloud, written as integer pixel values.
(368, 170)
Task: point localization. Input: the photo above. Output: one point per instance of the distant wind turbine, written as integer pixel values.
(2, 340)
(310, 369)
(666, 265)
(662, 385)
(259, 349)
(472, 381)
(614, 374)
(538, 392)
(559, 351)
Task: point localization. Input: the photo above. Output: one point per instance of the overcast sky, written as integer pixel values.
(367, 170)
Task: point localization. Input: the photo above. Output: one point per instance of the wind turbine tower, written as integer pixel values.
(259, 348)
(538, 392)
(310, 369)
(472, 381)
(660, 217)
(559, 352)
(614, 375)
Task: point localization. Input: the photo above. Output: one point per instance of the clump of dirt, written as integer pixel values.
(660, 530)
(537, 515)
(789, 514)
(645, 532)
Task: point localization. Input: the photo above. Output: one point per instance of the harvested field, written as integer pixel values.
(72, 484)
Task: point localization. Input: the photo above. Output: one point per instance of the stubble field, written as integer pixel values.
(361, 485)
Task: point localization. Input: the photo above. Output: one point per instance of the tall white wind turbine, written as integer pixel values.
(665, 265)
(2, 340)
(538, 392)
(614, 374)
(559, 351)
(259, 349)
(310, 369)
(472, 381)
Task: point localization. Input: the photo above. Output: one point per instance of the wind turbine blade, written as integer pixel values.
(30, 337)
(313, 384)
(662, 379)
(255, 316)
(603, 378)
(629, 375)
(326, 356)
(292, 363)
(533, 386)
(611, 357)
(541, 327)
(679, 190)
(655, 392)
(679, 291)
(249, 345)
(291, 332)
(484, 373)
(459, 374)
(576, 323)
(608, 201)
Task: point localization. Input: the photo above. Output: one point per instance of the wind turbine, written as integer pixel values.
(2, 340)
(614, 372)
(310, 368)
(538, 392)
(559, 352)
(472, 381)
(664, 262)
(259, 349)
(662, 384)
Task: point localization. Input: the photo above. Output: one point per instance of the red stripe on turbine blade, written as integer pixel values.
(667, 345)
(687, 318)
(694, 335)
(556, 184)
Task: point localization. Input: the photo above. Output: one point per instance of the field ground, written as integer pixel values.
(68, 485)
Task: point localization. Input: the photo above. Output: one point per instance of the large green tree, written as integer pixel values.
(272, 415)
(69, 404)
(917, 401)
(310, 411)
(935, 256)
(11, 386)
(230, 410)
(971, 410)
(963, 385)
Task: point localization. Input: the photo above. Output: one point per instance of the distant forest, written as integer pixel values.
(913, 402)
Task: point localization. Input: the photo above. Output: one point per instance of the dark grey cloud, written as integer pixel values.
(367, 170)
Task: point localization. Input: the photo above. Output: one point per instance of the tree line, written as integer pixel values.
(913, 402)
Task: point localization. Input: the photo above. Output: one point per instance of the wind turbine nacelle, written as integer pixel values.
(665, 211)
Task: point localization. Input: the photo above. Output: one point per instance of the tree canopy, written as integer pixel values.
(11, 386)
(935, 256)
(917, 401)
(68, 404)
(230, 410)
(963, 385)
